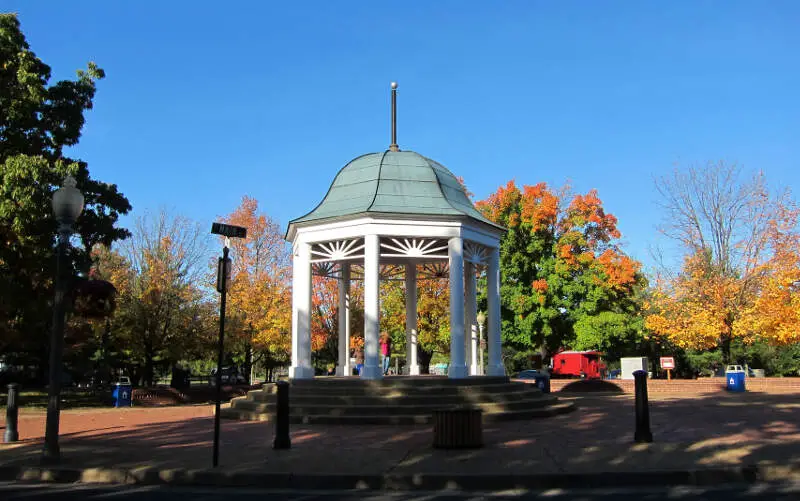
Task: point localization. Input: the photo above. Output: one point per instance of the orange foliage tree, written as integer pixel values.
(565, 279)
(740, 273)
(325, 318)
(259, 299)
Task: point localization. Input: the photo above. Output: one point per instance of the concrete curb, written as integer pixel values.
(390, 482)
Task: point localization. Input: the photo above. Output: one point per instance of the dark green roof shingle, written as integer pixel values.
(401, 182)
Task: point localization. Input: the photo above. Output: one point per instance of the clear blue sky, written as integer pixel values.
(207, 101)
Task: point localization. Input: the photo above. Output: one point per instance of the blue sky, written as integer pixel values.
(205, 102)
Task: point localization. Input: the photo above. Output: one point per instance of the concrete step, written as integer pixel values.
(397, 400)
(428, 407)
(400, 390)
(406, 397)
(400, 419)
(400, 381)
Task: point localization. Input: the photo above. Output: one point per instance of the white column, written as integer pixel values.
(344, 322)
(494, 341)
(470, 318)
(301, 314)
(458, 366)
(411, 320)
(372, 368)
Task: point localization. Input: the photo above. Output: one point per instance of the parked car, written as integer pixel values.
(527, 374)
(614, 374)
(230, 375)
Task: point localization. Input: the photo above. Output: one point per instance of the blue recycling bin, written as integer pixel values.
(542, 382)
(121, 396)
(734, 378)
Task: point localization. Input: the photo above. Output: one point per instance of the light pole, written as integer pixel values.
(67, 206)
(481, 318)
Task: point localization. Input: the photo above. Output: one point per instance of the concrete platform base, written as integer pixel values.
(398, 400)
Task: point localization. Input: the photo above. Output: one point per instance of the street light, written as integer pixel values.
(481, 318)
(67, 206)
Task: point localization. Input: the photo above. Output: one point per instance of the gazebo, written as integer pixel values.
(386, 213)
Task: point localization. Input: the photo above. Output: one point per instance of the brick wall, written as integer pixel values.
(697, 386)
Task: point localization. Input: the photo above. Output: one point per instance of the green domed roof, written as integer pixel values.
(394, 182)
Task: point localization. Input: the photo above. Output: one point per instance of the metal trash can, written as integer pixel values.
(734, 378)
(122, 396)
(542, 381)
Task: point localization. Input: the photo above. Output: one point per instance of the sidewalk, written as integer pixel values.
(717, 432)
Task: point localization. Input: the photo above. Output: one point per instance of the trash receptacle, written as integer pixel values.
(734, 378)
(121, 396)
(542, 382)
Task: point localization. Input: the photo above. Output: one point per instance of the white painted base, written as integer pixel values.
(372, 372)
(301, 373)
(457, 372)
(413, 370)
(475, 370)
(344, 371)
(496, 370)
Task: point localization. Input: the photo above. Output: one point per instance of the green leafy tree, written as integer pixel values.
(565, 280)
(38, 120)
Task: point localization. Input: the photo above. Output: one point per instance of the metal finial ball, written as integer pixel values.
(394, 85)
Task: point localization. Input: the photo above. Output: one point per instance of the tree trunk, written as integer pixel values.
(248, 363)
(424, 360)
(147, 376)
(726, 350)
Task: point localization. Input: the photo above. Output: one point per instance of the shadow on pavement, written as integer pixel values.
(712, 430)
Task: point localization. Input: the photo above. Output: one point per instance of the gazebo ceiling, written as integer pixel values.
(394, 183)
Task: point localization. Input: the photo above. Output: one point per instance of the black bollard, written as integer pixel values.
(642, 434)
(12, 412)
(282, 417)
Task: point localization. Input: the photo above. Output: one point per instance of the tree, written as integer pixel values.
(260, 301)
(37, 122)
(565, 279)
(433, 314)
(162, 314)
(740, 269)
(325, 318)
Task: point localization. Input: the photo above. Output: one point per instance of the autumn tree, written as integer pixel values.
(738, 279)
(38, 120)
(565, 280)
(325, 318)
(259, 299)
(162, 313)
(433, 313)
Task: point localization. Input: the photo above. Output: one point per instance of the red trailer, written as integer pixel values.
(583, 364)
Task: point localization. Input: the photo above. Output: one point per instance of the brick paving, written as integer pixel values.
(689, 432)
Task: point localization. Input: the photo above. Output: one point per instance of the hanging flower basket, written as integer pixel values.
(95, 299)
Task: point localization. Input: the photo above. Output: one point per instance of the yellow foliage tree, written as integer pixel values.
(161, 315)
(259, 298)
(740, 275)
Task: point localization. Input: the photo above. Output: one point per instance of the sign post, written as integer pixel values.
(223, 277)
(668, 363)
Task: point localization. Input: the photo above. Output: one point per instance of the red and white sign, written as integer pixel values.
(667, 363)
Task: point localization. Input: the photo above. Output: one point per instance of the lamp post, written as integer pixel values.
(481, 318)
(67, 206)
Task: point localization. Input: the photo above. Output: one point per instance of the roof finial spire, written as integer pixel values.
(393, 146)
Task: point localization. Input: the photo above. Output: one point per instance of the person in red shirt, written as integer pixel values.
(386, 351)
